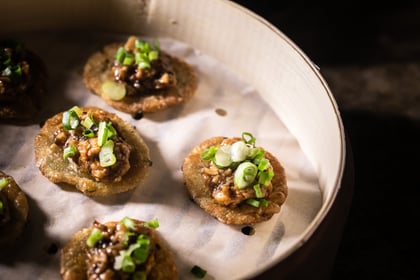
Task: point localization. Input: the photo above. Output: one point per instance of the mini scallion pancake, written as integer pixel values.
(50, 153)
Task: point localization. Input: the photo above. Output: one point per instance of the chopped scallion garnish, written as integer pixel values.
(69, 151)
(114, 90)
(258, 191)
(102, 133)
(136, 254)
(248, 161)
(209, 153)
(263, 164)
(245, 174)
(70, 119)
(264, 202)
(222, 158)
(95, 236)
(1, 208)
(106, 155)
(88, 122)
(128, 223)
(88, 133)
(3, 182)
(198, 272)
(253, 202)
(153, 223)
(248, 138)
(264, 177)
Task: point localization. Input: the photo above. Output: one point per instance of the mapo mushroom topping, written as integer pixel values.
(91, 143)
(237, 172)
(15, 75)
(142, 68)
(123, 250)
(14, 210)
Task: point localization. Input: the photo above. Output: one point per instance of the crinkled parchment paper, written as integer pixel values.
(195, 237)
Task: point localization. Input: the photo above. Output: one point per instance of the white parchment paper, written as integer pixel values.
(194, 237)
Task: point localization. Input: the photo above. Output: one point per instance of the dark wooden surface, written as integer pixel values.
(369, 54)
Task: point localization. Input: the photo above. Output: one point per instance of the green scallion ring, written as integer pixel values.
(3, 182)
(69, 151)
(245, 174)
(253, 202)
(198, 271)
(95, 236)
(106, 155)
(152, 224)
(102, 133)
(70, 120)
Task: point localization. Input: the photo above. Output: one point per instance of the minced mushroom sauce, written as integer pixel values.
(4, 205)
(122, 250)
(221, 176)
(15, 75)
(84, 139)
(142, 67)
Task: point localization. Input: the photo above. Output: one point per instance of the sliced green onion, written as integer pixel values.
(102, 133)
(111, 130)
(128, 223)
(69, 151)
(258, 191)
(119, 56)
(209, 153)
(264, 202)
(70, 119)
(1, 208)
(263, 164)
(136, 253)
(89, 133)
(255, 153)
(239, 151)
(126, 237)
(144, 64)
(253, 202)
(248, 138)
(222, 157)
(124, 262)
(152, 224)
(142, 46)
(141, 253)
(128, 59)
(95, 236)
(153, 55)
(113, 90)
(198, 272)
(3, 182)
(106, 155)
(258, 155)
(87, 122)
(245, 174)
(264, 177)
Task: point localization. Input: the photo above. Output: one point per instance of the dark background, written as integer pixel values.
(369, 54)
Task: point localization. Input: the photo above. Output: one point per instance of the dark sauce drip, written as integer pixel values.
(139, 115)
(221, 112)
(248, 230)
(52, 249)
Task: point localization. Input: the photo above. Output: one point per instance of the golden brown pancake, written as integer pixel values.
(49, 158)
(241, 213)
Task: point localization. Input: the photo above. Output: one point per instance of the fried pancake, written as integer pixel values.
(242, 213)
(74, 255)
(49, 159)
(97, 71)
(15, 211)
